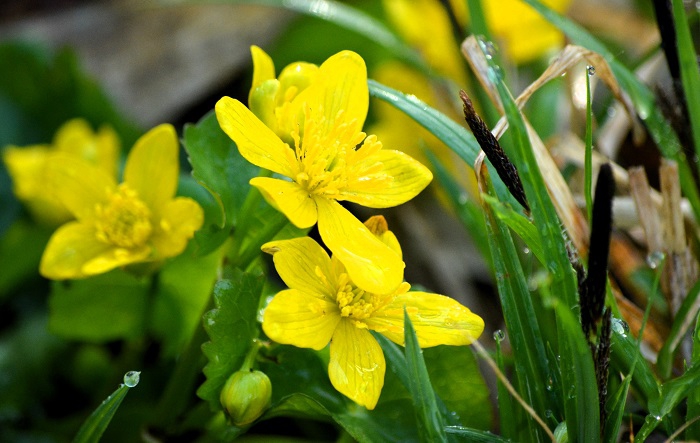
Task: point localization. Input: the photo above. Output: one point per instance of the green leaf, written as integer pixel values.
(431, 425)
(184, 286)
(642, 98)
(231, 327)
(219, 167)
(301, 387)
(99, 309)
(458, 382)
(208, 238)
(95, 425)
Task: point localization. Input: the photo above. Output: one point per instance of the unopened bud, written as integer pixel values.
(246, 395)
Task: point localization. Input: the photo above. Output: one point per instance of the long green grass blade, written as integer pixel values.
(352, 19)
(518, 312)
(452, 134)
(690, 73)
(92, 429)
(474, 435)
(431, 425)
(642, 98)
(616, 409)
(664, 360)
(579, 386)
(525, 229)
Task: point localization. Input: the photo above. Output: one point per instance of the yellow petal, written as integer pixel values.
(152, 166)
(357, 365)
(300, 319)
(78, 185)
(304, 265)
(116, 257)
(178, 220)
(371, 264)
(289, 198)
(378, 226)
(438, 320)
(341, 85)
(99, 148)
(256, 142)
(263, 67)
(69, 249)
(407, 178)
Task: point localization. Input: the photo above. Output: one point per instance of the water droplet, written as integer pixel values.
(499, 335)
(655, 259)
(132, 378)
(620, 327)
(550, 384)
(495, 74)
(591, 70)
(548, 413)
(526, 251)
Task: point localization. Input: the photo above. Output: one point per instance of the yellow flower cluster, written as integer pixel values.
(306, 126)
(107, 225)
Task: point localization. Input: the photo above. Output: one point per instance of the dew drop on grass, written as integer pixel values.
(591, 70)
(132, 378)
(499, 335)
(655, 258)
(620, 327)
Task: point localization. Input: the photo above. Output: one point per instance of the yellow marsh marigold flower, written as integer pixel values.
(271, 99)
(331, 161)
(139, 220)
(425, 25)
(522, 33)
(27, 166)
(324, 305)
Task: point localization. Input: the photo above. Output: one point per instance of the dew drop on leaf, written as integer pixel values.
(132, 378)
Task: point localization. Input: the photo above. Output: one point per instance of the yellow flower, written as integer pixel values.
(271, 99)
(324, 305)
(331, 161)
(522, 33)
(27, 166)
(425, 25)
(139, 220)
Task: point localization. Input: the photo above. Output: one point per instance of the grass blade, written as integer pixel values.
(690, 73)
(579, 387)
(430, 421)
(93, 428)
(519, 314)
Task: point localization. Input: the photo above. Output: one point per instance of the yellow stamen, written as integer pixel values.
(125, 220)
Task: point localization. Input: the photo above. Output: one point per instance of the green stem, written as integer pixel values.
(249, 361)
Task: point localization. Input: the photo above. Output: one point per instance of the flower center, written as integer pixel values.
(125, 220)
(354, 302)
(322, 154)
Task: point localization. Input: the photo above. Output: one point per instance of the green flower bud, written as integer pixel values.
(246, 395)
